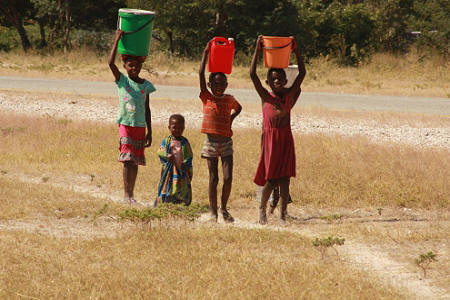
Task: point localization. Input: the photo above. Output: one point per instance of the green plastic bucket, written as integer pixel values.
(137, 26)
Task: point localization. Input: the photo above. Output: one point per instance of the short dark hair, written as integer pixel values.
(176, 117)
(213, 75)
(269, 73)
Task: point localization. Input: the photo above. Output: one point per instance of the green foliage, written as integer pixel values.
(424, 260)
(96, 40)
(391, 24)
(348, 31)
(324, 243)
(163, 211)
(432, 18)
(332, 218)
(8, 39)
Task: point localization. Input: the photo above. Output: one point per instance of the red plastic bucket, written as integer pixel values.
(277, 51)
(221, 55)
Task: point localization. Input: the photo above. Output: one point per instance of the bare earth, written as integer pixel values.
(381, 263)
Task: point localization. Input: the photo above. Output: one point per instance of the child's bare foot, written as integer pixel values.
(226, 216)
(133, 201)
(262, 216)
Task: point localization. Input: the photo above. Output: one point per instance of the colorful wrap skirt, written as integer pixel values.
(132, 142)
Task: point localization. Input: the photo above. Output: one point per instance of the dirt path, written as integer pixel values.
(372, 259)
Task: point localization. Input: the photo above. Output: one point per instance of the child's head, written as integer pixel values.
(176, 125)
(276, 79)
(218, 83)
(133, 65)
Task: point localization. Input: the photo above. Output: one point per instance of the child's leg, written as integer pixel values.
(267, 190)
(275, 198)
(227, 168)
(284, 196)
(129, 178)
(213, 181)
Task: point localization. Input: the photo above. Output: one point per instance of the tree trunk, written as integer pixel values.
(64, 22)
(43, 42)
(67, 24)
(170, 36)
(15, 17)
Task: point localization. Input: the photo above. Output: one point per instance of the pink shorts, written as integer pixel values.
(132, 141)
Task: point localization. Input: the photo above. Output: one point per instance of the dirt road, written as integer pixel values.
(437, 106)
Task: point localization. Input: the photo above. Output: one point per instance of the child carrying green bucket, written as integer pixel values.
(133, 117)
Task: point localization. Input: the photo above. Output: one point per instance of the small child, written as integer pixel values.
(277, 163)
(219, 111)
(175, 154)
(133, 118)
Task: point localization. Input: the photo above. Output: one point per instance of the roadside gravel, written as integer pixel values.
(80, 108)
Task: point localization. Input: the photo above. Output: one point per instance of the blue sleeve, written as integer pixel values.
(149, 87)
(122, 81)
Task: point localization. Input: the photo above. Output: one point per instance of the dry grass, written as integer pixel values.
(386, 74)
(403, 240)
(167, 263)
(331, 170)
(22, 199)
(335, 173)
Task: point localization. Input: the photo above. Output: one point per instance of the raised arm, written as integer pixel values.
(201, 72)
(112, 56)
(148, 121)
(262, 92)
(295, 90)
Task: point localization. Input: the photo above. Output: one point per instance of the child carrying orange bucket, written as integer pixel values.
(277, 162)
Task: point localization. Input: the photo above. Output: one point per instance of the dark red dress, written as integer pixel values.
(277, 153)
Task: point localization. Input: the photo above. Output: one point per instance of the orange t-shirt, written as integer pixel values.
(217, 113)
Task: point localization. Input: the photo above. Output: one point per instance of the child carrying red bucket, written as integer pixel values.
(219, 112)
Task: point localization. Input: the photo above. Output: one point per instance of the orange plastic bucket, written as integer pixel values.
(277, 51)
(221, 55)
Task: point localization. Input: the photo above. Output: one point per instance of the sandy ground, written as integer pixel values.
(378, 260)
(382, 261)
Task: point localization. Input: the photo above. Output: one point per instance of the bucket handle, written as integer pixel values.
(278, 47)
(134, 31)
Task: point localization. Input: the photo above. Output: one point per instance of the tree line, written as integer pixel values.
(349, 30)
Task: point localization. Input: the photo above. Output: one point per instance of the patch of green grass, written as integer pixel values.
(163, 211)
(332, 218)
(424, 260)
(322, 244)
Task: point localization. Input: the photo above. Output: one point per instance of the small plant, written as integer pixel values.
(163, 211)
(3, 172)
(324, 243)
(100, 212)
(424, 260)
(63, 122)
(45, 179)
(11, 130)
(332, 218)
